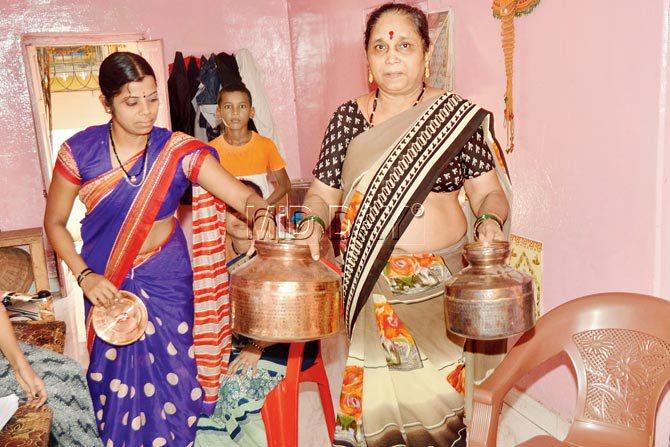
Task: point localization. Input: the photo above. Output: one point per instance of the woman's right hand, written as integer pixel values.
(32, 385)
(310, 234)
(99, 290)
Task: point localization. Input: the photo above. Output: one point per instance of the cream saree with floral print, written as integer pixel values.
(405, 376)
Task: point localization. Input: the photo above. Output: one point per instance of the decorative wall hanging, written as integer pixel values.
(506, 10)
(442, 61)
(526, 257)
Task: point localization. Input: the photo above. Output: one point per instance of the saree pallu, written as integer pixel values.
(404, 379)
(152, 392)
(405, 376)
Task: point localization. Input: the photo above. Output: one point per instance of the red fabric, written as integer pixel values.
(65, 172)
(187, 60)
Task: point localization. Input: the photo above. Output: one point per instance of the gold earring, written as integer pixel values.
(427, 72)
(370, 78)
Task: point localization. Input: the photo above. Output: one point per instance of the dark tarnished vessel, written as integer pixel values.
(489, 300)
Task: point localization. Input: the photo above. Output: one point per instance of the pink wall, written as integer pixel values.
(194, 27)
(588, 85)
(591, 91)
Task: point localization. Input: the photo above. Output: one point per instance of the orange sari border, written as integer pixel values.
(93, 191)
(143, 212)
(66, 165)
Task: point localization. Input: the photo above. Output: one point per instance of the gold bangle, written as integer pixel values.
(255, 345)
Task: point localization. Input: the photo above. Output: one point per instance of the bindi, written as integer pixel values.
(391, 35)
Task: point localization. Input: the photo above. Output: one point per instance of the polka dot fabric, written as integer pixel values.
(147, 393)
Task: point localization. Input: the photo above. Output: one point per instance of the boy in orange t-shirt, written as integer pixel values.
(244, 153)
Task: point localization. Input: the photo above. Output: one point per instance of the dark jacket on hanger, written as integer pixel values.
(192, 73)
(182, 114)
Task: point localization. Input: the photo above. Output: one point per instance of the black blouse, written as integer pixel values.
(348, 121)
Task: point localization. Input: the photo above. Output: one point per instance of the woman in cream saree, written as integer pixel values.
(405, 373)
(397, 160)
(404, 379)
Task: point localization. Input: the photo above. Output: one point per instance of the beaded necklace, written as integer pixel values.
(374, 103)
(131, 179)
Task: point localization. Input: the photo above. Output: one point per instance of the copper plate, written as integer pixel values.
(123, 323)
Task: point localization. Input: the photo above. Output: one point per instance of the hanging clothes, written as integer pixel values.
(205, 97)
(192, 73)
(229, 71)
(181, 113)
(253, 77)
(187, 61)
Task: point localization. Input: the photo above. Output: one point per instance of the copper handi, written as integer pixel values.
(283, 295)
(489, 300)
(122, 323)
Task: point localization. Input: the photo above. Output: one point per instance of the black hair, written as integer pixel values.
(234, 87)
(120, 68)
(415, 15)
(257, 189)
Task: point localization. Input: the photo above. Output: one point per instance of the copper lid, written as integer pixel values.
(123, 323)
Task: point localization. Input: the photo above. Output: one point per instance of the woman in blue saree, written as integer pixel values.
(130, 176)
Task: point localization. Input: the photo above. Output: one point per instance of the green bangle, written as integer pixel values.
(315, 218)
(488, 216)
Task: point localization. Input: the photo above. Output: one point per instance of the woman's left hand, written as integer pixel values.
(246, 360)
(489, 230)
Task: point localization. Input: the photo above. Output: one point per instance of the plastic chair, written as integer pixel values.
(280, 411)
(619, 346)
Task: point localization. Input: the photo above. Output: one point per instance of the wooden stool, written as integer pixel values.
(280, 411)
(29, 427)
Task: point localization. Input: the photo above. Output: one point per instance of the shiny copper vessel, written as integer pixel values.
(122, 323)
(283, 295)
(489, 300)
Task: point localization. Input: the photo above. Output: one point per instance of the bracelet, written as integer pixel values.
(487, 216)
(300, 226)
(255, 345)
(315, 218)
(83, 274)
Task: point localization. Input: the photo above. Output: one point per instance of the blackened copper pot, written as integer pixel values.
(489, 300)
(283, 295)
